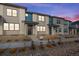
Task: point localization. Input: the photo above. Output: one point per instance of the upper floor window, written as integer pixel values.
(58, 21)
(6, 26)
(26, 14)
(41, 18)
(9, 12)
(14, 12)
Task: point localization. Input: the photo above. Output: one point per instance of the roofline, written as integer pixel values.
(37, 13)
(13, 5)
(46, 15)
(58, 17)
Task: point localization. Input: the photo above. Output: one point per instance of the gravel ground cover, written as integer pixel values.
(65, 49)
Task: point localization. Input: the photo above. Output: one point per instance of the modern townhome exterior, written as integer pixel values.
(11, 17)
(58, 25)
(46, 24)
(74, 28)
(37, 24)
(15, 20)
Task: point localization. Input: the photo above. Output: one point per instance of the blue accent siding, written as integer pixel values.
(50, 20)
(29, 17)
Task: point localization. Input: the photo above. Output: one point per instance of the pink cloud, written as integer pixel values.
(75, 18)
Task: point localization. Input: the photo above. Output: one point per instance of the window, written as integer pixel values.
(16, 26)
(26, 14)
(11, 12)
(41, 18)
(11, 26)
(40, 28)
(56, 30)
(43, 29)
(6, 27)
(14, 13)
(8, 12)
(37, 28)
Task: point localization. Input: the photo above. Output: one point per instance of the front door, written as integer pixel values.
(50, 30)
(30, 30)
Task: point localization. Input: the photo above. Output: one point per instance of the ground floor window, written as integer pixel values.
(41, 28)
(11, 26)
(6, 26)
(16, 26)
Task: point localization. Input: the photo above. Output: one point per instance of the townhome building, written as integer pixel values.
(11, 17)
(41, 24)
(74, 28)
(58, 25)
(15, 20)
(37, 24)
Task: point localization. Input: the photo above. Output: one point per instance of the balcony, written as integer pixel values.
(32, 23)
(53, 25)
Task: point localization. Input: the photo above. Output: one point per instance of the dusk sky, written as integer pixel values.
(70, 11)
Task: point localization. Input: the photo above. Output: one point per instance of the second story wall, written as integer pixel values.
(10, 18)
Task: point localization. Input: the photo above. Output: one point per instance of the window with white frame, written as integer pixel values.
(11, 26)
(40, 28)
(42, 18)
(39, 18)
(14, 12)
(37, 28)
(16, 26)
(43, 29)
(6, 26)
(9, 12)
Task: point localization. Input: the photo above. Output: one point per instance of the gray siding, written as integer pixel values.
(61, 25)
(35, 19)
(1, 13)
(13, 19)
